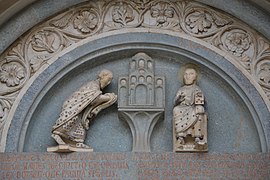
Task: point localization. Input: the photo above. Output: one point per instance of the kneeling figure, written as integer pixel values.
(78, 110)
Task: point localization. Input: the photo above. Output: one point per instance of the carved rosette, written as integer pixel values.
(86, 21)
(44, 42)
(163, 13)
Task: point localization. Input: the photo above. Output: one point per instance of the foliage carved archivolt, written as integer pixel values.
(46, 41)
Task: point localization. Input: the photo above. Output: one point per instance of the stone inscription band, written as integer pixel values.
(134, 166)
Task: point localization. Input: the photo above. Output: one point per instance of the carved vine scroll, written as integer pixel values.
(44, 42)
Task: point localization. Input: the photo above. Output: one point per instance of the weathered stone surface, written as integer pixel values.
(134, 166)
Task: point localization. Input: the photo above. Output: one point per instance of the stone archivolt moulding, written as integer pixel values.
(38, 48)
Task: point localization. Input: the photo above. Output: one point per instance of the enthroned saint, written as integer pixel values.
(189, 117)
(78, 110)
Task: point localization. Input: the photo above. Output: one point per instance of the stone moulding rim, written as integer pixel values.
(225, 55)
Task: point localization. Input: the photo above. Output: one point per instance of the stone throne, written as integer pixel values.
(141, 99)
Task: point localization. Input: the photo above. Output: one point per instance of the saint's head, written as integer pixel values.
(190, 76)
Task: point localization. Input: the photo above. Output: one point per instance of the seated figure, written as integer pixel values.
(189, 117)
(78, 110)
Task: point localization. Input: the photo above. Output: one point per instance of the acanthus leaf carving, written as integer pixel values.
(141, 5)
(44, 44)
(263, 48)
(201, 22)
(37, 61)
(62, 21)
(198, 22)
(245, 61)
(43, 41)
(264, 74)
(220, 21)
(122, 14)
(141, 2)
(5, 106)
(267, 92)
(263, 64)
(17, 51)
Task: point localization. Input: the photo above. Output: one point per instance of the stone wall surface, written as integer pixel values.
(134, 166)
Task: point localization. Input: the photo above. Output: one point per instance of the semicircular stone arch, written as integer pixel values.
(226, 47)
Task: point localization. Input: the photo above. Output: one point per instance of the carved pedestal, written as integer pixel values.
(66, 148)
(141, 123)
(141, 97)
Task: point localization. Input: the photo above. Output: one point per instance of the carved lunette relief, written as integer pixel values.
(44, 42)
